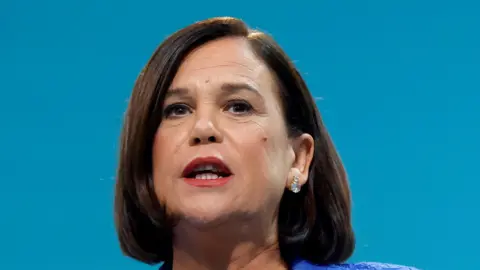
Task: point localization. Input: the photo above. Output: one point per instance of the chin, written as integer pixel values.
(203, 212)
(203, 215)
(204, 220)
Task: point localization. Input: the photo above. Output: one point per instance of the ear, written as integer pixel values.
(303, 147)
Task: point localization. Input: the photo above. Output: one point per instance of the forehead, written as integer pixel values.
(223, 60)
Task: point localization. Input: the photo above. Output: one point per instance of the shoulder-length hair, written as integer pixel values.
(314, 224)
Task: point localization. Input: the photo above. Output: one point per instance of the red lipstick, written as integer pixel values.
(207, 172)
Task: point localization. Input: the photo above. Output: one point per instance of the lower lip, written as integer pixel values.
(208, 183)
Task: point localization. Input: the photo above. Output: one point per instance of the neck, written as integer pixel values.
(226, 247)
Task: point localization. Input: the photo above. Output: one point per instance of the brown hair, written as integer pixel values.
(314, 225)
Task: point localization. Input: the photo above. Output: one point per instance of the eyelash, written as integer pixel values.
(171, 108)
(236, 102)
(167, 112)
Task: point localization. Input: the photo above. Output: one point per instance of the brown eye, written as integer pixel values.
(176, 111)
(238, 107)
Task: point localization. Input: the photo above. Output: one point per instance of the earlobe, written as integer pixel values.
(303, 150)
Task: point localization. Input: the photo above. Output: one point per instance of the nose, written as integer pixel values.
(205, 131)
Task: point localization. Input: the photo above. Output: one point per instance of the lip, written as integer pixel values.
(206, 183)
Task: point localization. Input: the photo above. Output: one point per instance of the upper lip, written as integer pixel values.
(201, 161)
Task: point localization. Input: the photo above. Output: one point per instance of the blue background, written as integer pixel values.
(397, 83)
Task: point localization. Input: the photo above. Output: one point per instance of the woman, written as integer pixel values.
(225, 162)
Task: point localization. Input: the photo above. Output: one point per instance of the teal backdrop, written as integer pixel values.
(397, 83)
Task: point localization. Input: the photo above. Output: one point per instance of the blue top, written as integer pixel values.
(305, 265)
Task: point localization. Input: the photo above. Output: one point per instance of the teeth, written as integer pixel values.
(207, 176)
(208, 167)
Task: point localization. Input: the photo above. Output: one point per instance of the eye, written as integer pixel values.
(176, 110)
(238, 107)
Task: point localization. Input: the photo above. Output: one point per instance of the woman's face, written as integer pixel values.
(222, 149)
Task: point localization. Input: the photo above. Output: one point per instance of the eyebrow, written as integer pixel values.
(235, 87)
(229, 88)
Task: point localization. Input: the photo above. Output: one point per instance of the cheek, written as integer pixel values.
(252, 137)
(262, 144)
(167, 144)
(164, 154)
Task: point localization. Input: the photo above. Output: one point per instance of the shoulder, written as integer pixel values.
(305, 265)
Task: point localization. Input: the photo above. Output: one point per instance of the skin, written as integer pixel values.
(224, 91)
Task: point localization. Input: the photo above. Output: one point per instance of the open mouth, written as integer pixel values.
(206, 169)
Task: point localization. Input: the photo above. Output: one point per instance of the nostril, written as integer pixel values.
(200, 140)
